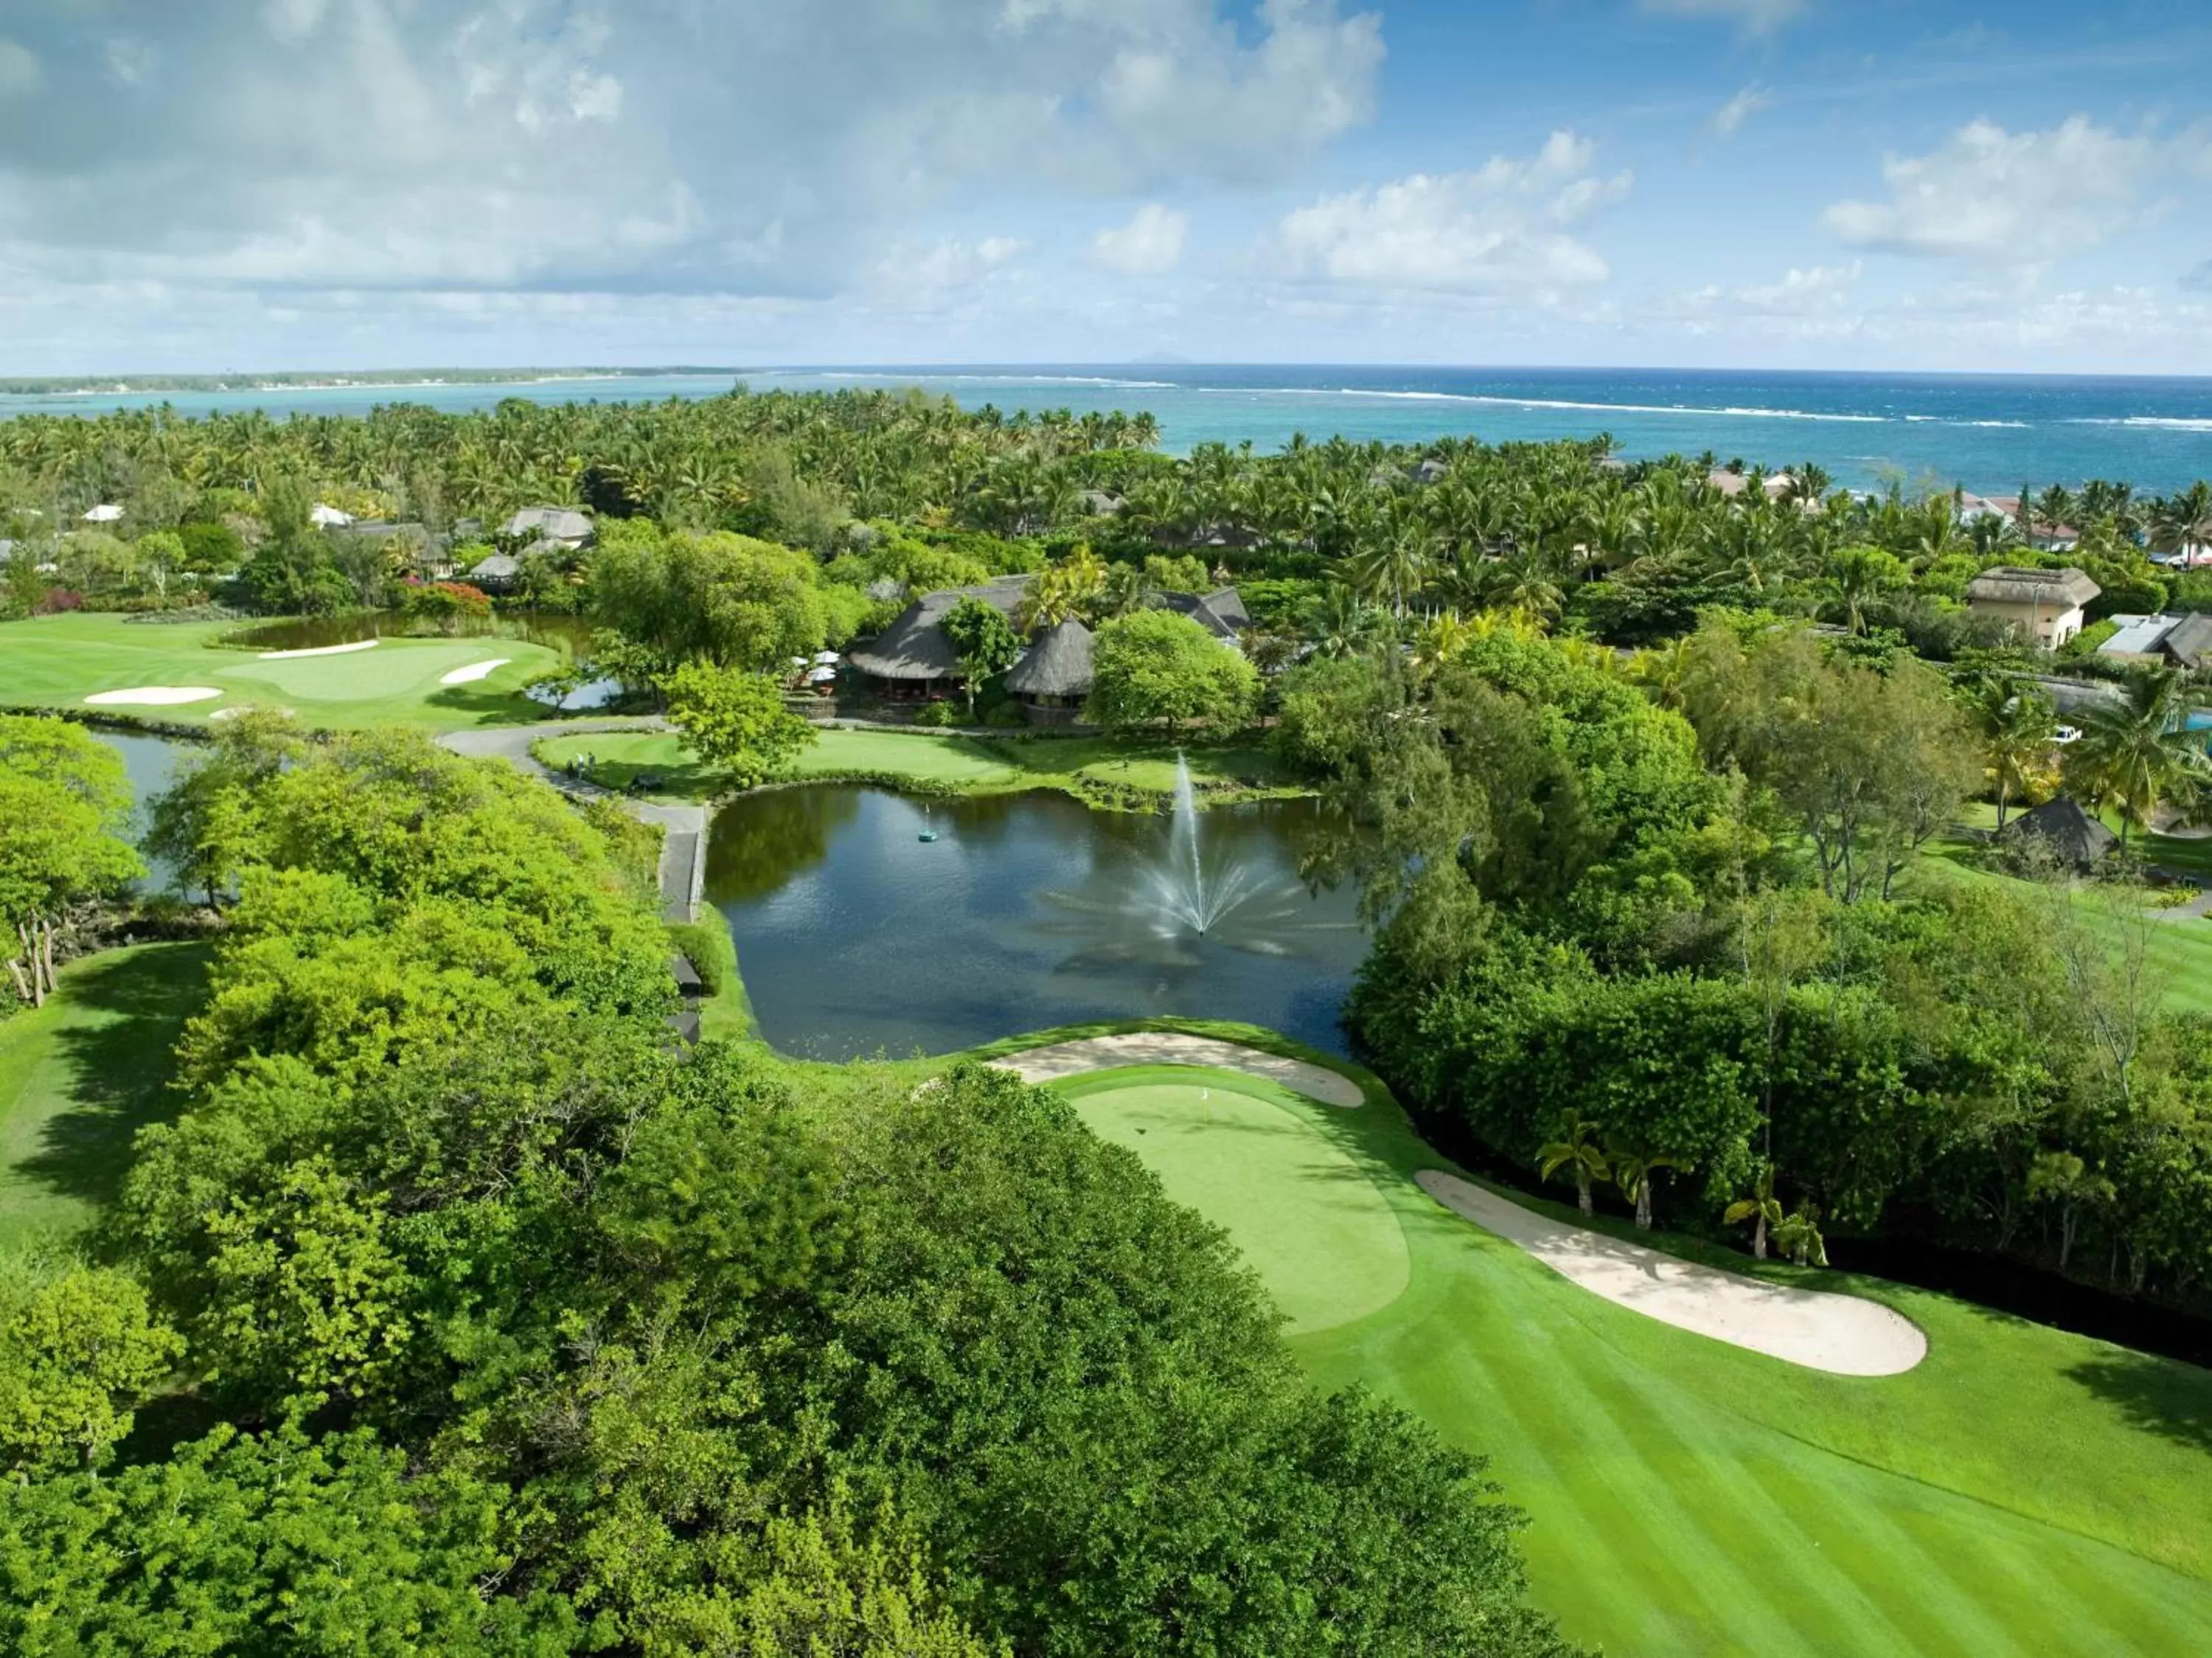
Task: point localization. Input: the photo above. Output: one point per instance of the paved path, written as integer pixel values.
(1173, 1048)
(683, 828)
(1846, 1335)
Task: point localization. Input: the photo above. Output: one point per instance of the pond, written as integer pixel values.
(149, 763)
(856, 936)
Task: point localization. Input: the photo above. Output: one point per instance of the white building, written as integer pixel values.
(2044, 605)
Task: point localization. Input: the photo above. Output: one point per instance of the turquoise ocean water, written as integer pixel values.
(1990, 433)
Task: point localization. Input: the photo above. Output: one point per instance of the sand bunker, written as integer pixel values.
(321, 650)
(1172, 1048)
(1843, 1334)
(474, 672)
(153, 696)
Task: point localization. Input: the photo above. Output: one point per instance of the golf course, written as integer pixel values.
(140, 669)
(2020, 1491)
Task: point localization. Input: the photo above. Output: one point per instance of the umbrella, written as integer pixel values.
(822, 676)
(798, 661)
(826, 659)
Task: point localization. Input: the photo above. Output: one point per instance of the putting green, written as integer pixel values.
(60, 660)
(2021, 1491)
(1313, 1226)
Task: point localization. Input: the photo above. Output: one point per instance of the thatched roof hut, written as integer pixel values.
(1057, 669)
(914, 650)
(2070, 833)
(2010, 584)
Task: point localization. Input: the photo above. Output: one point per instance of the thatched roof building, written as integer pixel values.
(2070, 833)
(914, 651)
(2010, 584)
(564, 525)
(1056, 671)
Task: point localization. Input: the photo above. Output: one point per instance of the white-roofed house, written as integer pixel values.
(106, 513)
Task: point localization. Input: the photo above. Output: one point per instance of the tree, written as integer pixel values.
(1574, 1148)
(727, 600)
(203, 824)
(1631, 1172)
(64, 803)
(1157, 667)
(2140, 754)
(1761, 1208)
(984, 641)
(2019, 728)
(1798, 1236)
(79, 1348)
(736, 721)
(2061, 1179)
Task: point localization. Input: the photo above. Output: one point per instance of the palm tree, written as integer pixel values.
(1855, 576)
(1798, 1236)
(2018, 728)
(1575, 1149)
(2141, 753)
(1761, 1207)
(1631, 1172)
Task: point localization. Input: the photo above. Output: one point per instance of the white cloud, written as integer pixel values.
(1150, 245)
(19, 73)
(1753, 17)
(1815, 288)
(402, 147)
(2003, 199)
(1502, 227)
(1731, 115)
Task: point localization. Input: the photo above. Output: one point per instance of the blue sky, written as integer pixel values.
(1726, 183)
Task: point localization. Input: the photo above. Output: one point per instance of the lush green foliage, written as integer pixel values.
(535, 1333)
(735, 720)
(64, 804)
(1154, 668)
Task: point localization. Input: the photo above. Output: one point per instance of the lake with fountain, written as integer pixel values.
(856, 936)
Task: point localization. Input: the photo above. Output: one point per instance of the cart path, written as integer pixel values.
(683, 828)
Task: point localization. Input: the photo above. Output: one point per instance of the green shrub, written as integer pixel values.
(941, 716)
(1006, 717)
(699, 940)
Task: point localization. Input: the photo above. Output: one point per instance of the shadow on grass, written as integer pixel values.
(478, 706)
(119, 1064)
(2158, 1395)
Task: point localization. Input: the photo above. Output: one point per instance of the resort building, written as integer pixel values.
(913, 658)
(1053, 678)
(2043, 535)
(2180, 641)
(2044, 605)
(2064, 830)
(546, 527)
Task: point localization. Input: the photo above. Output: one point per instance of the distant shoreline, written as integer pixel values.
(332, 380)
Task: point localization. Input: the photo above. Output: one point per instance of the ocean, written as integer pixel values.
(1990, 433)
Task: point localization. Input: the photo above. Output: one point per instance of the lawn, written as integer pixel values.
(59, 660)
(81, 1076)
(2021, 1491)
(1091, 768)
(2179, 954)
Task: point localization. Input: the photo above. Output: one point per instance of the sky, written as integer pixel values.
(1850, 183)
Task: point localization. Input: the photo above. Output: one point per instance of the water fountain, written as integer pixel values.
(1177, 886)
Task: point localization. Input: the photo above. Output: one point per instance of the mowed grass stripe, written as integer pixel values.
(1687, 1498)
(1681, 1466)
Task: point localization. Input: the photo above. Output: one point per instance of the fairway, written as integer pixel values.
(60, 660)
(81, 1076)
(2020, 1491)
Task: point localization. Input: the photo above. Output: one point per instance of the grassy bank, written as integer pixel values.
(80, 1077)
(2023, 1490)
(1102, 770)
(59, 660)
